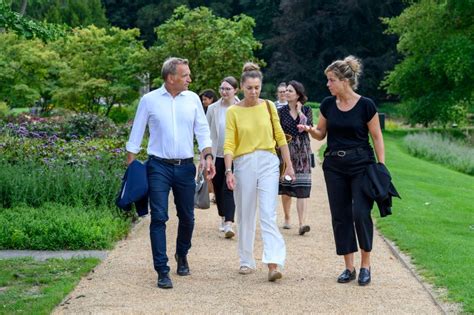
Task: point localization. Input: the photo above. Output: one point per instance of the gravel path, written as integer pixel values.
(125, 282)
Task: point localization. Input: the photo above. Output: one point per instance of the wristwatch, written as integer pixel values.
(208, 154)
(229, 170)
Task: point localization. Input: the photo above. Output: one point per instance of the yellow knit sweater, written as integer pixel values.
(249, 129)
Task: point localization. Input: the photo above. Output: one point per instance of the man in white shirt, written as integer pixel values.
(173, 115)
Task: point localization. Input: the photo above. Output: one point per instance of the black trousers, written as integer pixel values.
(350, 207)
(224, 196)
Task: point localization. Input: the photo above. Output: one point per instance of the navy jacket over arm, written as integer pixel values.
(134, 189)
(378, 185)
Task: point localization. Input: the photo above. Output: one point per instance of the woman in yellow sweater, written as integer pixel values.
(250, 136)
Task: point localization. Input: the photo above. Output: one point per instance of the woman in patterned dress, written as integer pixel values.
(291, 115)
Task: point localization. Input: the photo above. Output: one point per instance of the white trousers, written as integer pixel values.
(256, 176)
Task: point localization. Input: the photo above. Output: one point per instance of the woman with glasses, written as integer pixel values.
(281, 95)
(216, 117)
(291, 115)
(252, 130)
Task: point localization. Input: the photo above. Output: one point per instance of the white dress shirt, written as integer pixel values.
(172, 123)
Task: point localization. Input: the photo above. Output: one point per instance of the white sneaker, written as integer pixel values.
(222, 225)
(228, 232)
(244, 270)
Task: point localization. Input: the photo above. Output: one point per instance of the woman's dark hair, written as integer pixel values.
(209, 93)
(299, 88)
(232, 81)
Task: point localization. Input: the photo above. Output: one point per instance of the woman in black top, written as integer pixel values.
(348, 118)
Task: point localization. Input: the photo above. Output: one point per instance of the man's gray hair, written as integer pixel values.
(170, 64)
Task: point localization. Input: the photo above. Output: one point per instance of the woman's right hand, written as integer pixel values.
(230, 180)
(302, 128)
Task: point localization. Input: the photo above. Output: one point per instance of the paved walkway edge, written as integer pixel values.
(47, 254)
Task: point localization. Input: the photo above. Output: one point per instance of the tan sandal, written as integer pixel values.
(274, 275)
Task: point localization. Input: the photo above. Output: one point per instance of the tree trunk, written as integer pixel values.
(23, 7)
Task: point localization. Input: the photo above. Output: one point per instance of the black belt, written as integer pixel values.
(173, 161)
(343, 153)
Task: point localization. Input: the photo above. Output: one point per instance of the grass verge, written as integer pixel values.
(434, 222)
(36, 287)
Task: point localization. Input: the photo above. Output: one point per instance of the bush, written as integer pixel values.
(56, 226)
(3, 110)
(52, 150)
(89, 125)
(65, 127)
(34, 184)
(119, 115)
(313, 105)
(441, 149)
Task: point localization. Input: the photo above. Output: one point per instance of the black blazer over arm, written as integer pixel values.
(377, 184)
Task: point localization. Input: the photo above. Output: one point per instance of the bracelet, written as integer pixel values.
(227, 171)
(205, 156)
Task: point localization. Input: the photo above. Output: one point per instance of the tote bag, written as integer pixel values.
(201, 194)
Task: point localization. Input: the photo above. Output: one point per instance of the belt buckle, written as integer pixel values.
(177, 162)
(341, 153)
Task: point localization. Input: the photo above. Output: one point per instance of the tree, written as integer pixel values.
(28, 28)
(266, 14)
(434, 79)
(28, 71)
(216, 47)
(71, 12)
(104, 68)
(313, 33)
(147, 14)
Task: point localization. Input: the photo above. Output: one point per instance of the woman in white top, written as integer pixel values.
(216, 114)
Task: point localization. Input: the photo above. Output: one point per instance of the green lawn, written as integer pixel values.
(36, 287)
(434, 222)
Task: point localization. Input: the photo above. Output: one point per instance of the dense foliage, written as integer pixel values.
(59, 226)
(28, 28)
(104, 67)
(89, 70)
(312, 34)
(71, 12)
(435, 77)
(29, 71)
(148, 14)
(209, 42)
(59, 177)
(300, 38)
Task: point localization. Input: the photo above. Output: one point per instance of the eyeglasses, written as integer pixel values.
(281, 92)
(227, 89)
